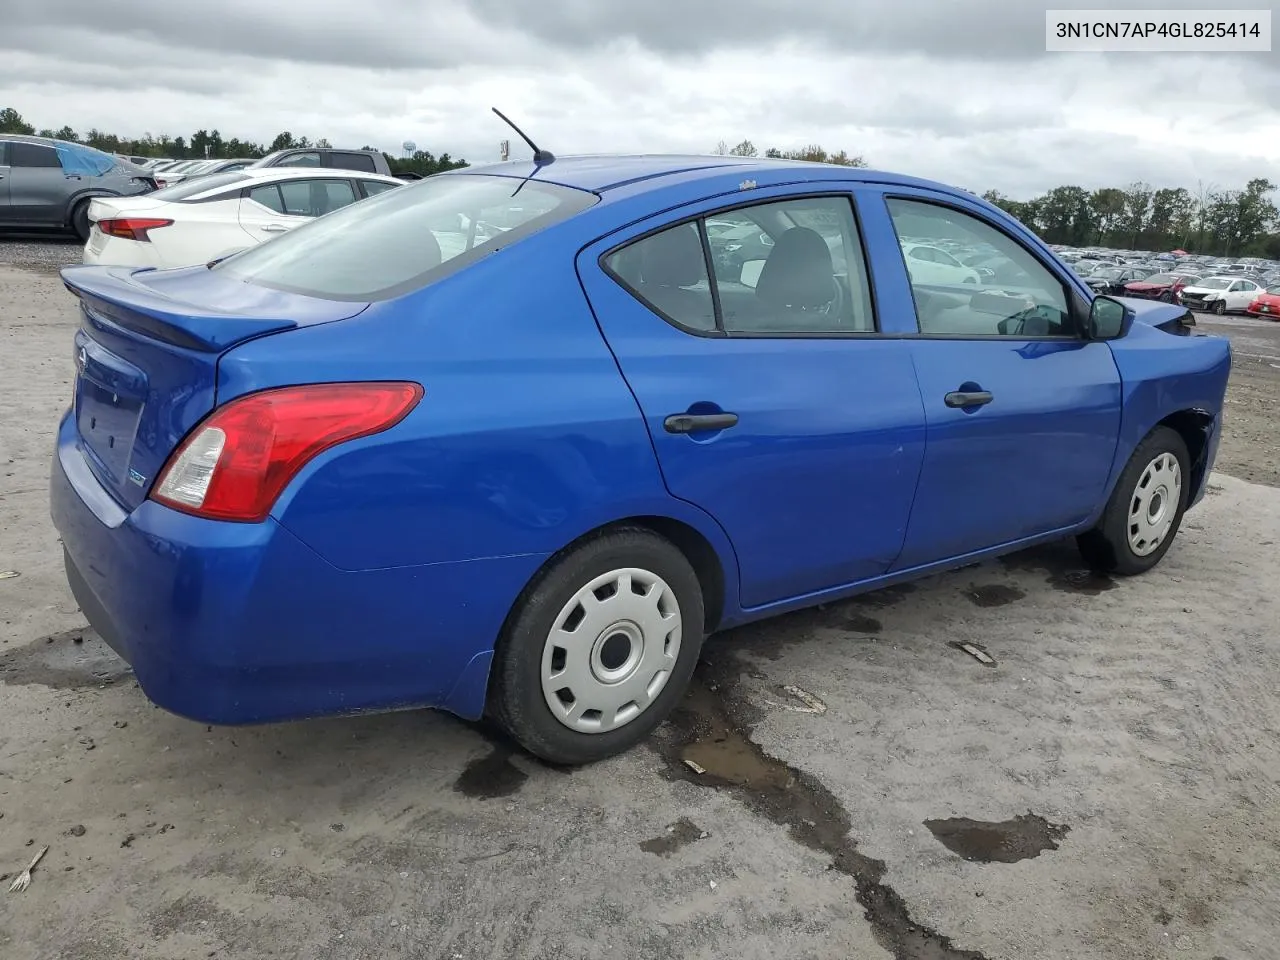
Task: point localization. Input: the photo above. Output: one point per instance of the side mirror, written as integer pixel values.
(1109, 319)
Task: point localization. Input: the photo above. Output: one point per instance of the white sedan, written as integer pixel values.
(928, 264)
(1220, 294)
(213, 217)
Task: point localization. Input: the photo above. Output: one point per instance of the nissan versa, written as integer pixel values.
(388, 461)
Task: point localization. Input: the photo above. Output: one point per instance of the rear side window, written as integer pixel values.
(269, 196)
(299, 160)
(405, 238)
(373, 187)
(4, 153)
(668, 271)
(32, 155)
(85, 161)
(353, 161)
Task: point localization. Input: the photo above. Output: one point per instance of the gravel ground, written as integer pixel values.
(1106, 787)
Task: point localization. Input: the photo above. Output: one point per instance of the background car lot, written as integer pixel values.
(1133, 713)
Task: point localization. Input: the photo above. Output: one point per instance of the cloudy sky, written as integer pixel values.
(956, 90)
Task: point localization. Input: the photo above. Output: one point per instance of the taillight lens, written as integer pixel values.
(235, 464)
(132, 228)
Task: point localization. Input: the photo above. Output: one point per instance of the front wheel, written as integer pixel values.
(598, 651)
(1145, 510)
(1219, 307)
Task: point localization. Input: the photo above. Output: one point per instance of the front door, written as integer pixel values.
(772, 403)
(1023, 415)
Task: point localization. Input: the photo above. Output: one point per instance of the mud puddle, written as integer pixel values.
(1063, 567)
(491, 776)
(1007, 841)
(708, 733)
(679, 834)
(64, 661)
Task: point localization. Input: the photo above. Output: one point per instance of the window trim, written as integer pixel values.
(719, 332)
(1077, 306)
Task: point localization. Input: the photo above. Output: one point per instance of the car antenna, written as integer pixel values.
(540, 157)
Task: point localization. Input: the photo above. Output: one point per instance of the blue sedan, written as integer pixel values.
(513, 440)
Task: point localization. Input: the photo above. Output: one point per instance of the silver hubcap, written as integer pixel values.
(612, 649)
(1154, 504)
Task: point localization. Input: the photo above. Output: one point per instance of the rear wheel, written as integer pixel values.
(600, 649)
(1145, 510)
(80, 220)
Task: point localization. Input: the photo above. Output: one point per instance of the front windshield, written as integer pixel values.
(1161, 278)
(404, 238)
(1215, 283)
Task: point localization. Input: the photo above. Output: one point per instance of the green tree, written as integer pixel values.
(11, 122)
(745, 149)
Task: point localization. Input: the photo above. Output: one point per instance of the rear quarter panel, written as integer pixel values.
(1161, 375)
(526, 438)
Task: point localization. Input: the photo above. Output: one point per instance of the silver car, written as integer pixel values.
(47, 184)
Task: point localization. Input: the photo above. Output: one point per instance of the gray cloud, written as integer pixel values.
(958, 90)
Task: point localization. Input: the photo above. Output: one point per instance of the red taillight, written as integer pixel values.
(235, 464)
(132, 228)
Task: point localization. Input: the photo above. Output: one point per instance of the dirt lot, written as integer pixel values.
(1107, 788)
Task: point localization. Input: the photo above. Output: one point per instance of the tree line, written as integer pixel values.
(1209, 219)
(211, 144)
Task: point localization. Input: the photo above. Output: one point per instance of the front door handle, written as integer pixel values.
(968, 398)
(699, 422)
(274, 228)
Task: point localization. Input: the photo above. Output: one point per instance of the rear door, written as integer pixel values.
(772, 402)
(38, 189)
(263, 213)
(1023, 415)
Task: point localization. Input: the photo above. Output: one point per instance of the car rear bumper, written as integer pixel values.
(243, 623)
(102, 250)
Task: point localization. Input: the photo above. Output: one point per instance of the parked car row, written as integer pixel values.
(1215, 284)
(208, 218)
(49, 185)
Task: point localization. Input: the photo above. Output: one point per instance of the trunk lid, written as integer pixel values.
(108, 208)
(147, 356)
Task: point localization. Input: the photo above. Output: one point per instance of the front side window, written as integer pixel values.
(785, 268)
(405, 238)
(1020, 298)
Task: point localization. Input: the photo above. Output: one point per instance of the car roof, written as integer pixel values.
(312, 173)
(599, 174)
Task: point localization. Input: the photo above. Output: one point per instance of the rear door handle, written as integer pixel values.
(699, 422)
(968, 398)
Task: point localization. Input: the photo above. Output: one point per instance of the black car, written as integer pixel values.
(1111, 280)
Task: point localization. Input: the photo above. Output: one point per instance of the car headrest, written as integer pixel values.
(673, 258)
(798, 272)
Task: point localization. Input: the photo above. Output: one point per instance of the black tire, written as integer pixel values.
(1219, 307)
(1106, 547)
(80, 220)
(516, 699)
(1166, 297)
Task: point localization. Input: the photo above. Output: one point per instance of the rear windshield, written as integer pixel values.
(402, 239)
(185, 189)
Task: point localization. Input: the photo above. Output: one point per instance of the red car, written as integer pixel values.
(1266, 305)
(1161, 286)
